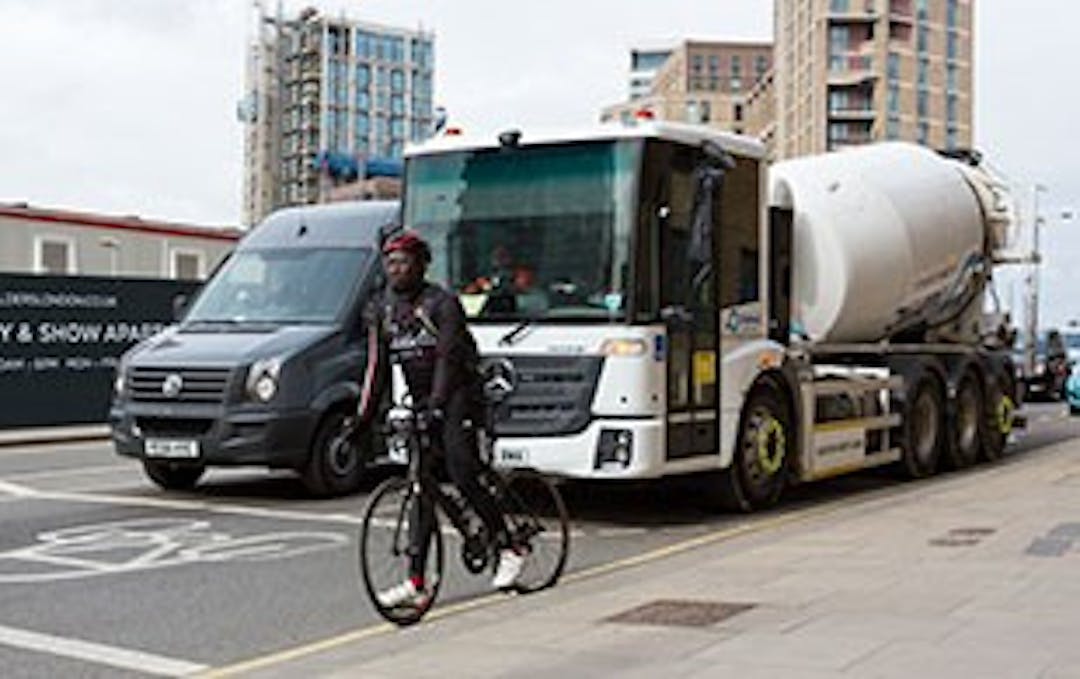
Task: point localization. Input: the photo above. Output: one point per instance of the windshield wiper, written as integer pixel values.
(509, 338)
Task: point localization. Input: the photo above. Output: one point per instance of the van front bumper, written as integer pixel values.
(221, 437)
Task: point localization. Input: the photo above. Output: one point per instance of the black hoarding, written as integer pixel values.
(62, 336)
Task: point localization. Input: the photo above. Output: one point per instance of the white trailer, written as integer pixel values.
(662, 303)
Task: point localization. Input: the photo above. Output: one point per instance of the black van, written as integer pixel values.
(267, 360)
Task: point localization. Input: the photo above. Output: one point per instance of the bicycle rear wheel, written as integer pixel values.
(384, 551)
(538, 521)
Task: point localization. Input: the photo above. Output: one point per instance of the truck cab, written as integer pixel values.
(265, 363)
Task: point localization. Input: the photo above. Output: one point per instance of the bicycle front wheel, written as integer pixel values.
(538, 521)
(385, 553)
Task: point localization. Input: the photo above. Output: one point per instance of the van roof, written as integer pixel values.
(346, 224)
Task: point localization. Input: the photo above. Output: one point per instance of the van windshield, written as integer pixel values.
(288, 285)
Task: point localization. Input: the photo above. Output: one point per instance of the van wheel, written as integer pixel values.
(337, 462)
(172, 476)
(759, 469)
(923, 428)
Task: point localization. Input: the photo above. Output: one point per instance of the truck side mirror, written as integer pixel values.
(179, 307)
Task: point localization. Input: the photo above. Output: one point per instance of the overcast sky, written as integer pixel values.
(128, 106)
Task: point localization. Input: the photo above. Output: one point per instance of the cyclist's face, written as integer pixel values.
(403, 270)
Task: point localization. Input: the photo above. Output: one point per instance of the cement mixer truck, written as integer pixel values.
(656, 301)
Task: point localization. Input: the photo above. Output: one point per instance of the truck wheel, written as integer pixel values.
(172, 476)
(336, 464)
(759, 469)
(998, 419)
(966, 425)
(923, 428)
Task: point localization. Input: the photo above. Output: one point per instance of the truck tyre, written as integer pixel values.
(336, 465)
(759, 468)
(966, 424)
(924, 430)
(173, 476)
(998, 418)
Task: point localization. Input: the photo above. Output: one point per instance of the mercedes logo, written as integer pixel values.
(500, 379)
(172, 385)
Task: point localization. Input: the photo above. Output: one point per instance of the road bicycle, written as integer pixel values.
(533, 508)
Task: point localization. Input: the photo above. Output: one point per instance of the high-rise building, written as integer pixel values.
(326, 97)
(854, 71)
(702, 82)
(644, 63)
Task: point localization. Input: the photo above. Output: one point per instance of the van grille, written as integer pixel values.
(553, 396)
(197, 385)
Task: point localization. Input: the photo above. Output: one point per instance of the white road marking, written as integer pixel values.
(100, 654)
(172, 503)
(53, 473)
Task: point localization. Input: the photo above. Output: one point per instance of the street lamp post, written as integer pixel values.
(1034, 276)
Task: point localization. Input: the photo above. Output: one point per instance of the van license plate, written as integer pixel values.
(172, 449)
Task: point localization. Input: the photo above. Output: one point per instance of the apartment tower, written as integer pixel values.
(855, 71)
(323, 92)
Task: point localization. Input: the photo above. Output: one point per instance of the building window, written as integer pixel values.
(951, 10)
(54, 255)
(363, 76)
(738, 113)
(950, 108)
(923, 39)
(892, 128)
(952, 46)
(924, 72)
(186, 265)
(950, 138)
(714, 65)
(397, 81)
(924, 133)
(893, 67)
(923, 103)
(838, 6)
(761, 65)
(696, 64)
(950, 77)
(894, 98)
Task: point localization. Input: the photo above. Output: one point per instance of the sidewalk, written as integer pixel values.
(62, 434)
(970, 575)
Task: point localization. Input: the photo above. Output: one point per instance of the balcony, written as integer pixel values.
(852, 11)
(853, 111)
(850, 69)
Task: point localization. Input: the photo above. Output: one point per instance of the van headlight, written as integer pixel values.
(262, 380)
(120, 380)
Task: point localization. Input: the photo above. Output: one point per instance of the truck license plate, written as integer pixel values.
(173, 449)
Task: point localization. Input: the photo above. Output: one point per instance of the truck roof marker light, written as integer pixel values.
(453, 132)
(644, 114)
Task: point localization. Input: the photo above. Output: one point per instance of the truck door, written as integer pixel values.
(688, 293)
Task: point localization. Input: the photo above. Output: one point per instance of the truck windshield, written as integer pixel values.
(529, 232)
(289, 285)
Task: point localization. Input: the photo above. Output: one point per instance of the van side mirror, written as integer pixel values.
(179, 307)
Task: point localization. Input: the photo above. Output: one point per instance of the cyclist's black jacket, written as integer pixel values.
(424, 330)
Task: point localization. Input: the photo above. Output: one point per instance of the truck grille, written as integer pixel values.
(553, 395)
(197, 385)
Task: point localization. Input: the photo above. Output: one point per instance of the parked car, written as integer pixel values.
(1051, 369)
(266, 363)
(1072, 390)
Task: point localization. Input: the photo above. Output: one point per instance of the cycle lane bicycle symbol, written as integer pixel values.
(132, 545)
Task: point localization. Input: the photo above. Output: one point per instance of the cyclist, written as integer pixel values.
(421, 327)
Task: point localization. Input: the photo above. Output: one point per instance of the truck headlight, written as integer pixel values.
(262, 380)
(624, 347)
